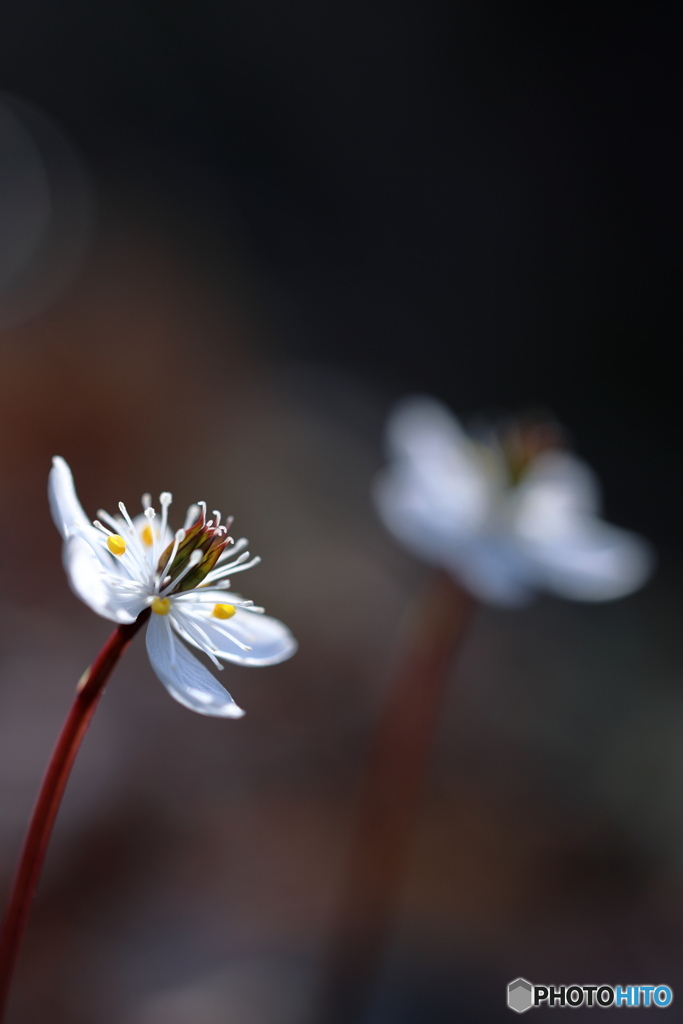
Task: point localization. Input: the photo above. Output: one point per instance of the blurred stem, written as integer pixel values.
(88, 693)
(389, 797)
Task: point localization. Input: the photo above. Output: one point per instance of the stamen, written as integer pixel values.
(223, 611)
(150, 513)
(229, 636)
(192, 596)
(161, 605)
(191, 516)
(128, 586)
(239, 565)
(124, 512)
(116, 544)
(194, 633)
(103, 529)
(238, 561)
(217, 517)
(135, 551)
(179, 538)
(195, 559)
(165, 499)
(233, 549)
(114, 523)
(146, 500)
(147, 536)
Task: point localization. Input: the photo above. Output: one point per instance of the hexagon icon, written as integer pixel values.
(520, 995)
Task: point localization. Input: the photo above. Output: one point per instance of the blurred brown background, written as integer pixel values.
(229, 237)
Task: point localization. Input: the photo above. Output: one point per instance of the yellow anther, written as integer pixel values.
(147, 536)
(116, 544)
(223, 611)
(161, 605)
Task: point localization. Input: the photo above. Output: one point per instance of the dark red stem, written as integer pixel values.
(88, 693)
(390, 795)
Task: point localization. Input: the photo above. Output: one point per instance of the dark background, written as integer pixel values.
(477, 200)
(294, 214)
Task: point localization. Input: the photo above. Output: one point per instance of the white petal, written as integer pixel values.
(440, 488)
(590, 560)
(152, 552)
(477, 554)
(556, 485)
(432, 512)
(419, 427)
(185, 678)
(92, 583)
(269, 639)
(66, 509)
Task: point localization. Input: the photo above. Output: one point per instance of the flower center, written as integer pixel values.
(223, 611)
(195, 551)
(116, 544)
(523, 441)
(161, 605)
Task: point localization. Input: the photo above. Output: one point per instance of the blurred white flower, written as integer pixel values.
(120, 566)
(506, 516)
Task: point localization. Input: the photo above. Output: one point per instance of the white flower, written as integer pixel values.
(120, 566)
(505, 517)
